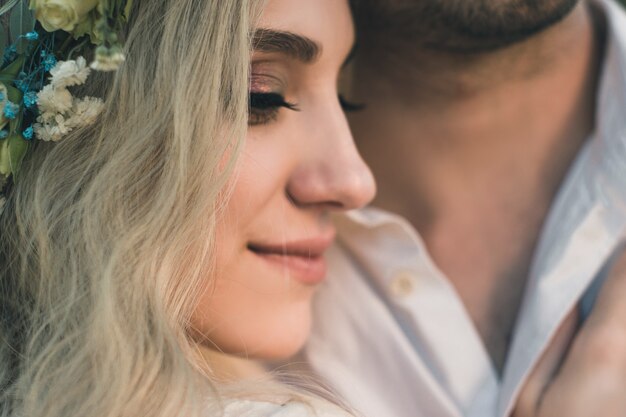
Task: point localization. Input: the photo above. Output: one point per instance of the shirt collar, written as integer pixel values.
(609, 147)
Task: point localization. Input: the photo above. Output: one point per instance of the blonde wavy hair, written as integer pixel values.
(108, 235)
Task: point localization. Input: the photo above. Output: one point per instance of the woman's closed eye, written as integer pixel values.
(264, 107)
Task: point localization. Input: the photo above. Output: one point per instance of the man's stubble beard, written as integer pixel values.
(458, 26)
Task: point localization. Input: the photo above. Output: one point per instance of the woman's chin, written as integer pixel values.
(276, 335)
(283, 342)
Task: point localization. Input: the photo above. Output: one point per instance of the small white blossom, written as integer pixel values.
(53, 126)
(61, 123)
(54, 100)
(110, 62)
(55, 97)
(59, 111)
(47, 132)
(46, 117)
(69, 73)
(86, 110)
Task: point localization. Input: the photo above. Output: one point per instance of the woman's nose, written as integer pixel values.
(331, 172)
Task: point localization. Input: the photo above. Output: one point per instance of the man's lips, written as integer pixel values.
(303, 258)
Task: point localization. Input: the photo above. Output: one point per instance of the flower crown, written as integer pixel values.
(46, 45)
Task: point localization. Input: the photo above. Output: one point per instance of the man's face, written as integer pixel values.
(460, 25)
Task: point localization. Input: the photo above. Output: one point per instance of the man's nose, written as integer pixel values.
(331, 172)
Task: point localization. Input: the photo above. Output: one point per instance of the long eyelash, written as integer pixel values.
(264, 107)
(270, 100)
(348, 106)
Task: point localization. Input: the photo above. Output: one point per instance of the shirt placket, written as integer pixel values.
(432, 316)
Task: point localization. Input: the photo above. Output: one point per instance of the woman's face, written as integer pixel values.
(299, 164)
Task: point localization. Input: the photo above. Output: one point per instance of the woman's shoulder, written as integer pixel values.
(314, 408)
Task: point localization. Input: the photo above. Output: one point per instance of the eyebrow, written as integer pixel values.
(291, 44)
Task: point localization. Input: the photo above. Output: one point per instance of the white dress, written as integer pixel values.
(248, 408)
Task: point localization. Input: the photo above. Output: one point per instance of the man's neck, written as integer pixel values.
(472, 148)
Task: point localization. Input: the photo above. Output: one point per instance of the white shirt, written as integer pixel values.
(393, 337)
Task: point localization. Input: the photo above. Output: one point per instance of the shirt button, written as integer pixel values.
(403, 284)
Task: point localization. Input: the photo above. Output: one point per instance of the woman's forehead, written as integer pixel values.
(327, 23)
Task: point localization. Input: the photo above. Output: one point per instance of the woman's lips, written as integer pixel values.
(302, 259)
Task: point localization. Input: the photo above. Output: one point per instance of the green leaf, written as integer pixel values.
(15, 23)
(14, 94)
(3, 38)
(22, 21)
(127, 8)
(28, 17)
(18, 146)
(10, 72)
(8, 6)
(5, 159)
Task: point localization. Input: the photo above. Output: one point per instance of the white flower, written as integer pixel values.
(86, 110)
(53, 126)
(54, 100)
(108, 59)
(61, 14)
(46, 117)
(59, 111)
(69, 73)
(55, 97)
(60, 122)
(47, 132)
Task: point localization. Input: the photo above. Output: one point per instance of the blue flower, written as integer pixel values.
(49, 62)
(32, 36)
(30, 99)
(3, 134)
(22, 82)
(10, 52)
(10, 110)
(2, 97)
(28, 133)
